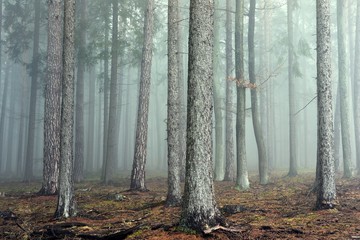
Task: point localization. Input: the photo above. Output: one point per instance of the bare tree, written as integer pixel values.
(173, 120)
(343, 64)
(242, 179)
(199, 207)
(325, 173)
(263, 162)
(293, 171)
(66, 202)
(138, 169)
(357, 87)
(52, 114)
(230, 87)
(33, 92)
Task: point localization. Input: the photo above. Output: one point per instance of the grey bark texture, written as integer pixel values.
(66, 206)
(263, 161)
(344, 81)
(293, 171)
(230, 105)
(52, 112)
(242, 178)
(138, 169)
(112, 127)
(357, 87)
(33, 92)
(173, 120)
(79, 108)
(325, 173)
(199, 208)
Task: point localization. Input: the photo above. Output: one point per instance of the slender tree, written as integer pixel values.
(199, 207)
(33, 92)
(66, 202)
(343, 64)
(112, 125)
(357, 87)
(242, 178)
(293, 171)
(173, 138)
(230, 87)
(138, 170)
(263, 164)
(4, 101)
(325, 174)
(52, 112)
(219, 102)
(79, 114)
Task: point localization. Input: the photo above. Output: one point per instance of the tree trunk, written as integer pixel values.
(263, 164)
(33, 92)
(230, 87)
(79, 116)
(242, 179)
(173, 120)
(91, 126)
(325, 174)
(3, 114)
(52, 114)
(106, 96)
(343, 64)
(337, 131)
(66, 202)
(357, 87)
(293, 171)
(219, 107)
(199, 207)
(138, 170)
(112, 141)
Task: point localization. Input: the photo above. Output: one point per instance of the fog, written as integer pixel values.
(271, 66)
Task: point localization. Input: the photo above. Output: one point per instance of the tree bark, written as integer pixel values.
(242, 179)
(230, 87)
(325, 174)
(66, 206)
(199, 207)
(3, 114)
(138, 170)
(52, 112)
(173, 120)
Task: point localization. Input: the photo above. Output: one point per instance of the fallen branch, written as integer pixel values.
(219, 227)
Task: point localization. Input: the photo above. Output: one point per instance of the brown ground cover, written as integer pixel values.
(282, 209)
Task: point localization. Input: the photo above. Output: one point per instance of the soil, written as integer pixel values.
(283, 209)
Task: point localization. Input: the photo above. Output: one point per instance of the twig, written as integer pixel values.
(217, 227)
(305, 105)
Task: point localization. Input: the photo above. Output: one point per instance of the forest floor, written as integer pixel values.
(282, 209)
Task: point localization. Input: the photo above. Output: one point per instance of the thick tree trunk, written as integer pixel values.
(138, 170)
(66, 201)
(325, 174)
(357, 88)
(343, 64)
(242, 179)
(293, 171)
(52, 114)
(230, 106)
(263, 164)
(173, 120)
(33, 92)
(79, 116)
(199, 207)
